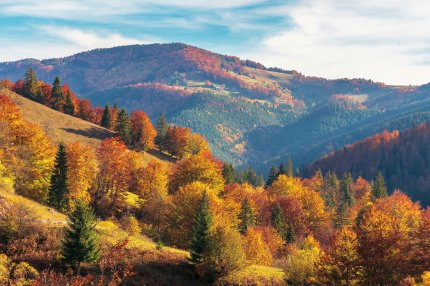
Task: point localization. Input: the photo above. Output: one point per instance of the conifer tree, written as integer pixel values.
(123, 127)
(346, 201)
(273, 175)
(161, 128)
(201, 229)
(229, 174)
(278, 221)
(246, 216)
(80, 243)
(57, 94)
(40, 97)
(106, 118)
(290, 234)
(58, 188)
(379, 190)
(330, 189)
(290, 170)
(69, 106)
(282, 169)
(30, 87)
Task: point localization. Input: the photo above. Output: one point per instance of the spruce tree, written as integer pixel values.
(161, 128)
(57, 94)
(278, 221)
(123, 127)
(273, 175)
(69, 106)
(106, 119)
(246, 216)
(346, 192)
(282, 169)
(229, 174)
(290, 171)
(379, 190)
(290, 234)
(201, 228)
(30, 88)
(40, 97)
(58, 187)
(80, 243)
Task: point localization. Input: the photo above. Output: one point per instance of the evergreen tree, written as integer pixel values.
(123, 127)
(278, 221)
(228, 173)
(290, 171)
(346, 192)
(58, 187)
(250, 176)
(106, 119)
(40, 97)
(80, 243)
(282, 169)
(30, 88)
(201, 230)
(69, 106)
(330, 189)
(57, 94)
(290, 234)
(379, 190)
(273, 175)
(246, 216)
(161, 128)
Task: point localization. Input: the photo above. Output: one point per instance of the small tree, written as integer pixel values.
(69, 106)
(123, 127)
(201, 230)
(229, 174)
(246, 216)
(106, 118)
(290, 170)
(57, 94)
(81, 242)
(161, 128)
(273, 175)
(379, 190)
(58, 188)
(278, 221)
(30, 87)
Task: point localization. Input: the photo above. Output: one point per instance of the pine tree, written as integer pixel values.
(290, 171)
(201, 230)
(106, 119)
(40, 97)
(330, 189)
(229, 174)
(278, 221)
(30, 87)
(273, 175)
(80, 243)
(379, 190)
(346, 201)
(282, 169)
(290, 234)
(246, 216)
(161, 128)
(57, 94)
(69, 106)
(123, 127)
(58, 187)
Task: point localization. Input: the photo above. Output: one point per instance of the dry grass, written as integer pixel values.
(254, 275)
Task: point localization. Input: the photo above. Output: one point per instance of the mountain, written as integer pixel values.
(402, 157)
(251, 115)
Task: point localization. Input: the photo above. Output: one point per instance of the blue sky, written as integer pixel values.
(385, 40)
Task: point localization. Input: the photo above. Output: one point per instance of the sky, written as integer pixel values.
(385, 40)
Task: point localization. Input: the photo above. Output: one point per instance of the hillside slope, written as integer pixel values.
(403, 158)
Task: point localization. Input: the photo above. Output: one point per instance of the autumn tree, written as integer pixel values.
(69, 105)
(379, 190)
(58, 189)
(143, 133)
(201, 229)
(86, 111)
(106, 118)
(246, 216)
(80, 243)
(256, 249)
(176, 141)
(161, 129)
(6, 178)
(123, 128)
(57, 94)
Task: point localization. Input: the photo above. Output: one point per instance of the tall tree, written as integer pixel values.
(143, 131)
(346, 200)
(278, 221)
(30, 88)
(229, 174)
(246, 216)
(57, 94)
(282, 169)
(201, 230)
(379, 190)
(290, 168)
(161, 128)
(290, 235)
(273, 175)
(106, 119)
(58, 190)
(69, 105)
(81, 242)
(123, 128)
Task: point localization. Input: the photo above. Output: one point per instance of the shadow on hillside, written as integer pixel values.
(160, 155)
(93, 132)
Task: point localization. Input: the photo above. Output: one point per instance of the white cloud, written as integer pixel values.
(386, 40)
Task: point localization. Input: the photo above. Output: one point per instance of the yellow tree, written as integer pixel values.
(256, 249)
(198, 144)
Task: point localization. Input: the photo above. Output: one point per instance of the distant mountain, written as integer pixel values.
(252, 115)
(403, 158)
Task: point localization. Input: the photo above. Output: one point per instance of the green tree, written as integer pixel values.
(229, 174)
(106, 118)
(161, 128)
(80, 243)
(330, 189)
(290, 170)
(246, 216)
(379, 190)
(282, 169)
(290, 234)
(346, 201)
(278, 221)
(58, 188)
(40, 97)
(57, 94)
(30, 88)
(123, 127)
(201, 230)
(69, 106)
(273, 175)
